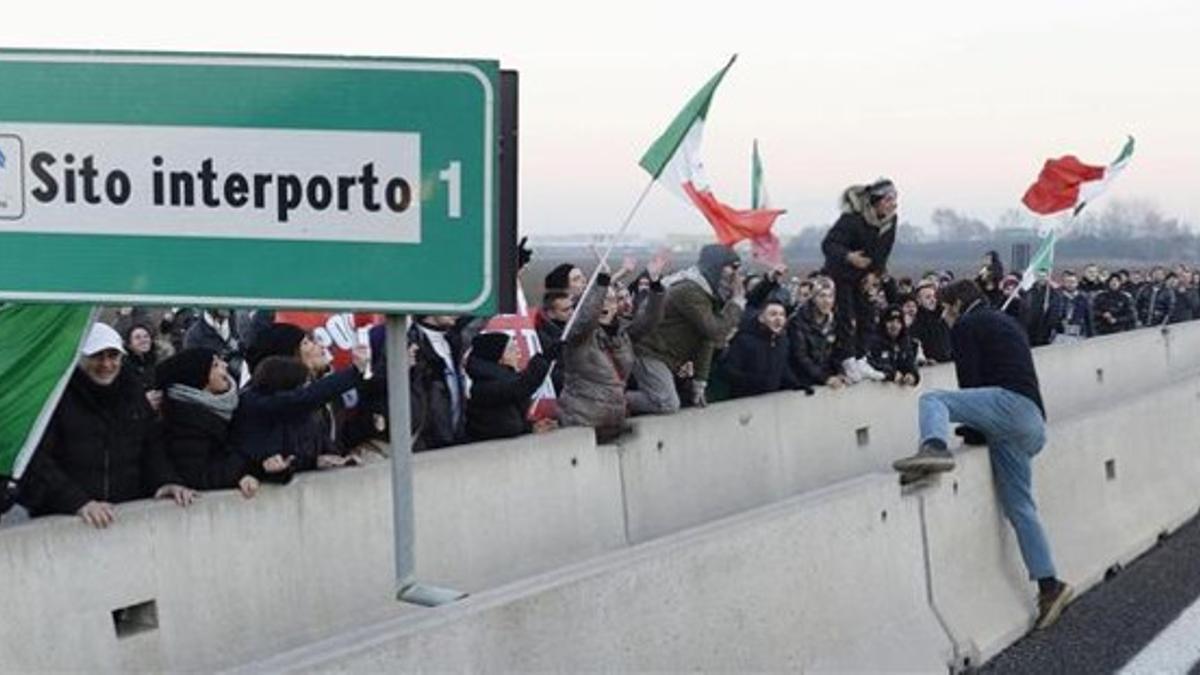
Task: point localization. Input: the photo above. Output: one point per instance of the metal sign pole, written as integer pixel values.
(400, 425)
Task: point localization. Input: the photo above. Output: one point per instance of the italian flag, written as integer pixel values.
(764, 247)
(674, 160)
(39, 345)
(1042, 261)
(1067, 183)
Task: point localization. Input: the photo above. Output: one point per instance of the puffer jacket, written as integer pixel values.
(103, 443)
(812, 344)
(597, 359)
(857, 229)
(756, 362)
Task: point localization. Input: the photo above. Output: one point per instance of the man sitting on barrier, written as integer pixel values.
(1000, 403)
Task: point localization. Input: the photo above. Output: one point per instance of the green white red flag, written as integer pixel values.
(674, 160)
(39, 345)
(1068, 184)
(764, 247)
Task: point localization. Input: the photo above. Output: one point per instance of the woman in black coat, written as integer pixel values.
(278, 412)
(500, 395)
(199, 402)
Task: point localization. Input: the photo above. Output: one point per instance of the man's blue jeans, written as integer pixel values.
(1015, 433)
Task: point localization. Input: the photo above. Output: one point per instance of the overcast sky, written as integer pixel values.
(958, 102)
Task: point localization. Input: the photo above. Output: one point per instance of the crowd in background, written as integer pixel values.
(165, 404)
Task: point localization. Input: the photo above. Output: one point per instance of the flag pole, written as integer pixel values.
(612, 243)
(1012, 296)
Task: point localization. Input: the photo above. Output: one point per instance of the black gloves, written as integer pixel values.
(524, 254)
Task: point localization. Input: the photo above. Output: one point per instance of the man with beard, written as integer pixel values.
(704, 304)
(102, 446)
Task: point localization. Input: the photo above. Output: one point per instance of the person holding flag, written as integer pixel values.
(102, 445)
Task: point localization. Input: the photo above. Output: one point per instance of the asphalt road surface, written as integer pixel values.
(1144, 619)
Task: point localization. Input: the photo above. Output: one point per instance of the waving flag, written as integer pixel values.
(674, 160)
(765, 247)
(1067, 183)
(1042, 261)
(39, 345)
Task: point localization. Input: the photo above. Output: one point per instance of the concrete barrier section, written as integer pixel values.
(489, 515)
(768, 590)
(1108, 484)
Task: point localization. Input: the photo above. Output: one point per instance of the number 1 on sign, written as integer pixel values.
(452, 175)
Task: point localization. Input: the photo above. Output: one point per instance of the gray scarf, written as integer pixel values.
(221, 405)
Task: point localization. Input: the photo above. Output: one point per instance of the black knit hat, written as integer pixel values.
(278, 339)
(189, 367)
(489, 346)
(559, 277)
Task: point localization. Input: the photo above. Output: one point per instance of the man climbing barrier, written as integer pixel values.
(999, 403)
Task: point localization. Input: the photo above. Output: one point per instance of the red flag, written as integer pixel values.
(1058, 186)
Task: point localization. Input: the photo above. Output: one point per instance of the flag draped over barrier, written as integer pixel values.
(38, 348)
(674, 160)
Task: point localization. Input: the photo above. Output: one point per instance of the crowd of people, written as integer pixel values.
(166, 404)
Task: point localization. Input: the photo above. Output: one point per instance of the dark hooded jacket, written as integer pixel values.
(501, 397)
(857, 229)
(697, 318)
(103, 443)
(756, 362)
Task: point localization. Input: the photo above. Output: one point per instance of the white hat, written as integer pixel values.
(101, 338)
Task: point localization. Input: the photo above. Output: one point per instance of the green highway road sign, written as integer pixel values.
(245, 180)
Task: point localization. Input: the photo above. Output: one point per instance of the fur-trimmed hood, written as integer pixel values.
(856, 199)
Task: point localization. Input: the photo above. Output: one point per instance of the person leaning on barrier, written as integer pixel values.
(277, 413)
(103, 444)
(1000, 403)
(1113, 308)
(598, 355)
(704, 305)
(892, 352)
(200, 398)
(501, 396)
(756, 361)
(812, 339)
